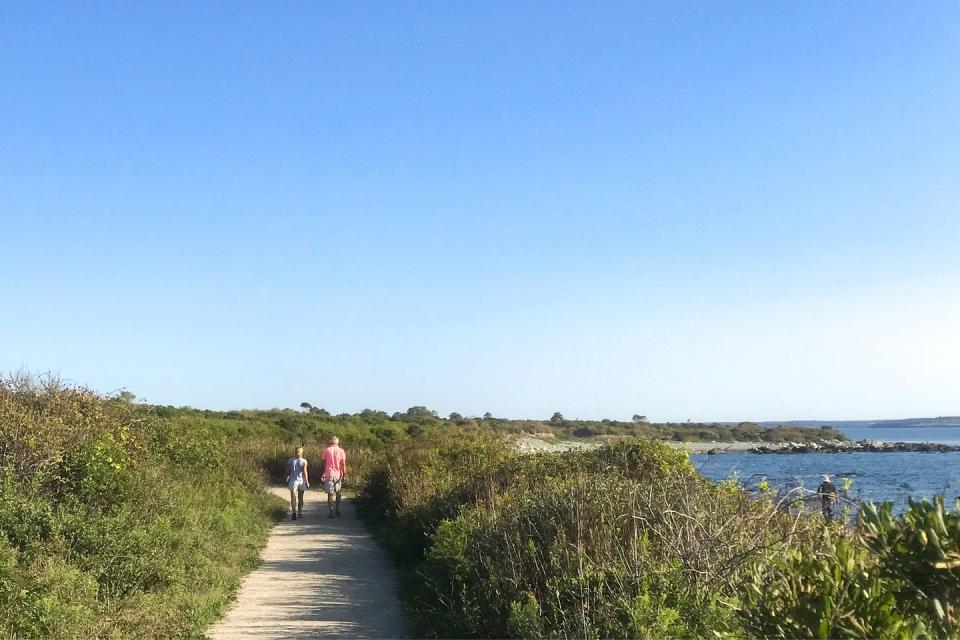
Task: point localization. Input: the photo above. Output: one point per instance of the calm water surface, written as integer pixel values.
(874, 476)
(947, 435)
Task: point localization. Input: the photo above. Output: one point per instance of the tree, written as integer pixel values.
(488, 416)
(317, 411)
(639, 419)
(455, 417)
(420, 411)
(556, 418)
(414, 430)
(126, 396)
(306, 406)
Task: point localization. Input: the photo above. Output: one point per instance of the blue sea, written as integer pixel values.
(875, 477)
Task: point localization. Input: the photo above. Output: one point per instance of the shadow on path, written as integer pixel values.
(318, 578)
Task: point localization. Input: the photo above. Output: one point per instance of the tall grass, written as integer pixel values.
(119, 519)
(629, 541)
(269, 456)
(116, 522)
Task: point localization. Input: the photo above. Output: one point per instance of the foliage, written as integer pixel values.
(121, 519)
(834, 591)
(892, 577)
(417, 483)
(920, 550)
(627, 540)
(623, 541)
(115, 520)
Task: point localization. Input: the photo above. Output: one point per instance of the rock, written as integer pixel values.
(873, 446)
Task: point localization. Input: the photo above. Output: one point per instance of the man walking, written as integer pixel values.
(334, 460)
(298, 479)
(828, 495)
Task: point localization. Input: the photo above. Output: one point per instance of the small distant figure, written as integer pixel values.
(298, 480)
(828, 496)
(334, 460)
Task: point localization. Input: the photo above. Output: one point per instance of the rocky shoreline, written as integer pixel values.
(855, 446)
(528, 443)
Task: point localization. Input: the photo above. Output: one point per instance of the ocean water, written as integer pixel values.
(946, 435)
(875, 477)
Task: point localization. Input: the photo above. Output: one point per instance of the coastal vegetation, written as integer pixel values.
(629, 541)
(120, 519)
(115, 522)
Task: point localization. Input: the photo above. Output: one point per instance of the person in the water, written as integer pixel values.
(828, 496)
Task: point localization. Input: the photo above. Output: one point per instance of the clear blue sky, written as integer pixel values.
(686, 210)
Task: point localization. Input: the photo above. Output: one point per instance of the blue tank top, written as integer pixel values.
(295, 468)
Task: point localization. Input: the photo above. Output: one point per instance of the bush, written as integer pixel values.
(417, 483)
(115, 521)
(623, 541)
(555, 561)
(920, 552)
(892, 577)
(629, 541)
(832, 592)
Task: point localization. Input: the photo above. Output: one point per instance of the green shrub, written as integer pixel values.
(49, 599)
(25, 522)
(623, 541)
(585, 548)
(417, 483)
(116, 522)
(893, 577)
(832, 592)
(920, 552)
(98, 472)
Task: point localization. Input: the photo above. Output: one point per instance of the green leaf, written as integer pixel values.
(938, 607)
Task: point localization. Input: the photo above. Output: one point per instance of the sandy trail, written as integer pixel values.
(318, 578)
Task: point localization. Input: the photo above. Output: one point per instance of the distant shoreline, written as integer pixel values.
(849, 446)
(529, 443)
(932, 425)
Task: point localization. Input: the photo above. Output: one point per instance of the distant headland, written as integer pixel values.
(905, 423)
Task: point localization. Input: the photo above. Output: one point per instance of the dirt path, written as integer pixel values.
(318, 578)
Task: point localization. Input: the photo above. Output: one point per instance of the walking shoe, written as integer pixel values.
(293, 516)
(331, 515)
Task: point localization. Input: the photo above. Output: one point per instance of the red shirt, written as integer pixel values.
(334, 462)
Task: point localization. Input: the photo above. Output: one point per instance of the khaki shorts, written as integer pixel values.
(332, 486)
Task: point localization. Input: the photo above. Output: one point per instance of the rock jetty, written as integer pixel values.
(871, 446)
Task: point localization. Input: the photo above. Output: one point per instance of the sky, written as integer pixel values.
(706, 211)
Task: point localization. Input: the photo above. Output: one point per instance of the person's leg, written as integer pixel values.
(300, 502)
(330, 504)
(293, 504)
(338, 502)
